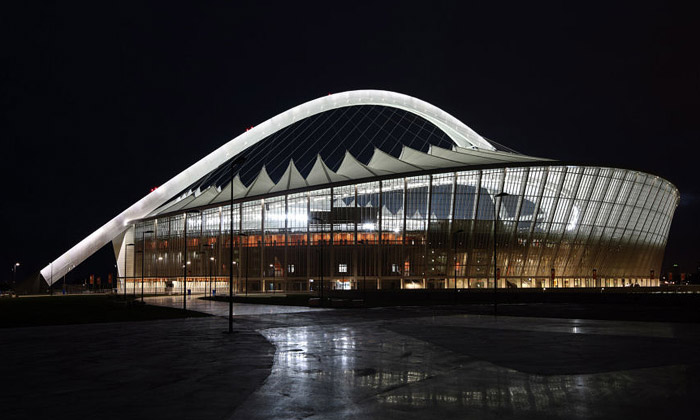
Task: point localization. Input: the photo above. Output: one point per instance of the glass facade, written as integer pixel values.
(553, 226)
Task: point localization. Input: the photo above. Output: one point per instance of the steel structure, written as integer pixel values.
(394, 193)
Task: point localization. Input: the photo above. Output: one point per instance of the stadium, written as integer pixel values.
(378, 190)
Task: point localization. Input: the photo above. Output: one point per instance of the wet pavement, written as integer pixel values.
(180, 368)
(385, 363)
(218, 308)
(424, 363)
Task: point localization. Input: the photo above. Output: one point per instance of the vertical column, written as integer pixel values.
(426, 265)
(535, 214)
(451, 255)
(331, 243)
(240, 247)
(516, 218)
(497, 216)
(309, 274)
(643, 195)
(642, 235)
(611, 240)
(380, 247)
(567, 217)
(548, 224)
(470, 236)
(582, 214)
(587, 244)
(355, 258)
(285, 268)
(261, 248)
(604, 249)
(403, 234)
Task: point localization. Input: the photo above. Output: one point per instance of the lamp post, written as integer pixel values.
(364, 269)
(211, 261)
(454, 255)
(157, 266)
(65, 274)
(497, 210)
(14, 274)
(238, 161)
(126, 252)
(184, 282)
(320, 289)
(143, 257)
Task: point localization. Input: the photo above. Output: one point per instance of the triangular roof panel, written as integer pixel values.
(465, 158)
(354, 169)
(239, 191)
(291, 179)
(384, 161)
(261, 185)
(321, 174)
(425, 160)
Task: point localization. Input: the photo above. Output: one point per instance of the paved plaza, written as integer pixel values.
(385, 363)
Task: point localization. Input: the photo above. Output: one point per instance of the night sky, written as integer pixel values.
(103, 102)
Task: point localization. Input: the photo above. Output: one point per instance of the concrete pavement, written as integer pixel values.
(384, 363)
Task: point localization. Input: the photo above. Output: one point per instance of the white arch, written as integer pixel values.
(462, 135)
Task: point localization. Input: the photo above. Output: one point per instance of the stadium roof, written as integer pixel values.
(341, 137)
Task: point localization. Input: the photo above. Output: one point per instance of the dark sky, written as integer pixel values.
(102, 102)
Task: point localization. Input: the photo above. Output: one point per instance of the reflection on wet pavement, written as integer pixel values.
(367, 371)
(401, 363)
(221, 308)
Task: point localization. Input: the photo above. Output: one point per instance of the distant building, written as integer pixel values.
(381, 190)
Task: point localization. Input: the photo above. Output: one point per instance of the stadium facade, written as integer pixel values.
(378, 190)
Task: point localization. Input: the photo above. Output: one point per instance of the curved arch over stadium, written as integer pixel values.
(114, 230)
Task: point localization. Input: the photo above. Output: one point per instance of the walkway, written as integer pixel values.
(219, 308)
(177, 369)
(388, 363)
(430, 363)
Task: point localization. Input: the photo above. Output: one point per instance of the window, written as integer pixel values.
(342, 268)
(394, 268)
(290, 268)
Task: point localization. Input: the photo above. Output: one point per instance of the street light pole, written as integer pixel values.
(157, 267)
(247, 264)
(497, 209)
(238, 161)
(14, 274)
(64, 276)
(211, 293)
(454, 256)
(143, 257)
(184, 282)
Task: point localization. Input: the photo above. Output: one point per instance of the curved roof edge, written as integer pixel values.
(462, 135)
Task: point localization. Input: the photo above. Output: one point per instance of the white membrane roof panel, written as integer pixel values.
(465, 158)
(425, 160)
(261, 185)
(239, 191)
(384, 161)
(321, 174)
(291, 179)
(354, 169)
